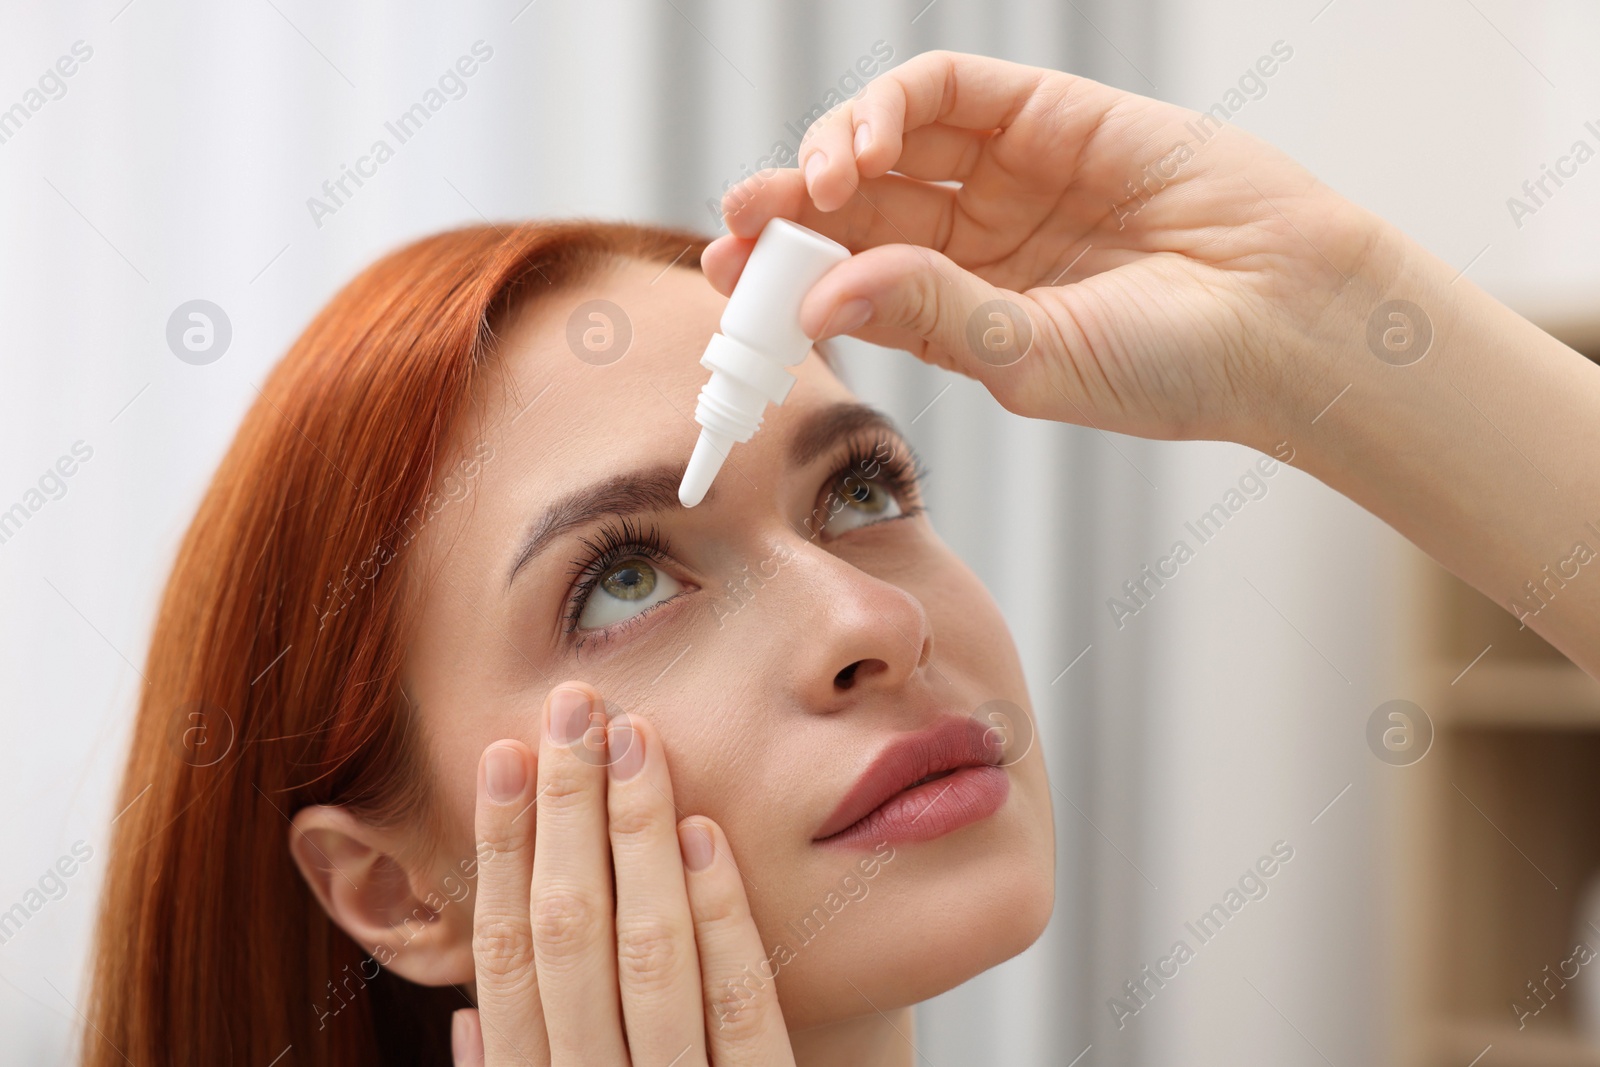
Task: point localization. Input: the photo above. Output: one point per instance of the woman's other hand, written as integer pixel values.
(572, 969)
(1176, 274)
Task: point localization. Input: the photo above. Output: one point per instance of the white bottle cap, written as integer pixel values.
(760, 339)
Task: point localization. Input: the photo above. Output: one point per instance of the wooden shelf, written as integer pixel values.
(1463, 623)
(1498, 837)
(1526, 694)
(1456, 1044)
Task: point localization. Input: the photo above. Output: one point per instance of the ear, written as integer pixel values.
(416, 924)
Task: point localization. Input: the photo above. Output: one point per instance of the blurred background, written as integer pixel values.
(1428, 883)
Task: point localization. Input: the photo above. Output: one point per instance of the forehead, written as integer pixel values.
(592, 365)
(606, 374)
(600, 378)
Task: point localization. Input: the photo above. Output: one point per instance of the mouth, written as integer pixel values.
(931, 778)
(922, 785)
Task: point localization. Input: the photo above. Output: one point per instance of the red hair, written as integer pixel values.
(209, 947)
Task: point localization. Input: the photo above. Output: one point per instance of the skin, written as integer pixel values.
(1230, 300)
(743, 706)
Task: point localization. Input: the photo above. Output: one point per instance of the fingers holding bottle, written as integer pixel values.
(1104, 261)
(1018, 345)
(931, 118)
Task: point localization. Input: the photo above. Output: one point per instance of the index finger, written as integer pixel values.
(969, 92)
(941, 94)
(509, 1006)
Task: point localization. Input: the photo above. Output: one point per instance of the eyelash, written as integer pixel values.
(613, 544)
(903, 473)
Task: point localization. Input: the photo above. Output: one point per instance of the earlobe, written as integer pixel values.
(418, 932)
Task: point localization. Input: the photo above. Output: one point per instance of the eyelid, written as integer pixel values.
(605, 634)
(902, 472)
(616, 540)
(903, 462)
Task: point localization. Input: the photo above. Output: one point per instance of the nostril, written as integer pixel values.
(847, 677)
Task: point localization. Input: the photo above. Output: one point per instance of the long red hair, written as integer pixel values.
(273, 670)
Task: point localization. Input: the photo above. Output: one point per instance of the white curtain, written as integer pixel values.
(179, 159)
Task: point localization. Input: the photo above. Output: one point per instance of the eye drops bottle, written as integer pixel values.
(760, 339)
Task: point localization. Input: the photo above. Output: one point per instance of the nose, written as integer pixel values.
(851, 632)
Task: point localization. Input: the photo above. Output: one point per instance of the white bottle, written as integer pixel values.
(760, 339)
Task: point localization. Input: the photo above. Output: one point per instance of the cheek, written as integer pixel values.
(454, 745)
(715, 751)
(727, 765)
(973, 643)
(456, 796)
(968, 627)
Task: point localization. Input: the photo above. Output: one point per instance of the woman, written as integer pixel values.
(308, 869)
(367, 805)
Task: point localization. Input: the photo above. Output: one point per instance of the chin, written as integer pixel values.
(954, 909)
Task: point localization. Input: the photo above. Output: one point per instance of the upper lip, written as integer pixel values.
(957, 741)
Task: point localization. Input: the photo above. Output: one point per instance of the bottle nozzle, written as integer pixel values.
(709, 452)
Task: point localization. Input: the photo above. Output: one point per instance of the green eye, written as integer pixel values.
(866, 496)
(632, 581)
(859, 502)
(623, 590)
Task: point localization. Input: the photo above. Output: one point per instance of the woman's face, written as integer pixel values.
(786, 575)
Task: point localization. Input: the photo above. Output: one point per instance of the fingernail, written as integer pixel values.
(846, 317)
(863, 137)
(626, 747)
(814, 167)
(458, 1036)
(505, 774)
(569, 715)
(696, 846)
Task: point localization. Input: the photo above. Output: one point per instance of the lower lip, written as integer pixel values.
(930, 810)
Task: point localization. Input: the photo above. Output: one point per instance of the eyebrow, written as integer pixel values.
(654, 489)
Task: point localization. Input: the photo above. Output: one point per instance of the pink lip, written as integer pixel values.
(882, 804)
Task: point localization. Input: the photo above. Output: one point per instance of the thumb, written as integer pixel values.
(910, 297)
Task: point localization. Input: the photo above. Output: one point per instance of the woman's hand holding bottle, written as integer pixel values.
(1098, 257)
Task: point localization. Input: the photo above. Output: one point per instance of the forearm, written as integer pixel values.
(1485, 452)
